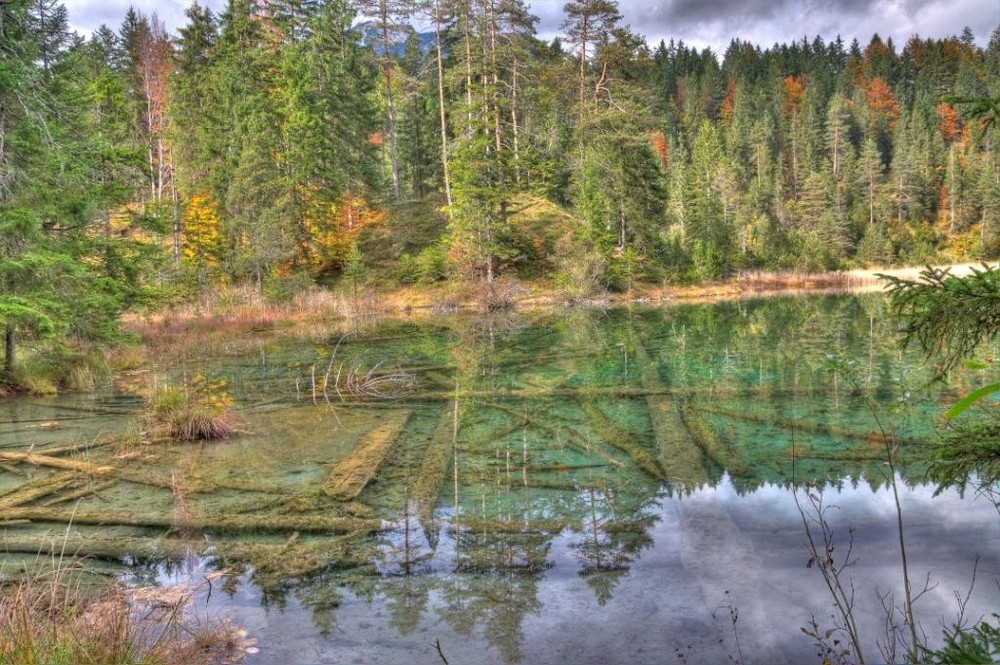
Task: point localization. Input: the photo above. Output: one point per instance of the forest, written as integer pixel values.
(294, 143)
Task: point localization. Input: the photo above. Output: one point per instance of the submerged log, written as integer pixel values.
(560, 434)
(290, 557)
(679, 457)
(81, 446)
(434, 466)
(478, 525)
(90, 488)
(350, 476)
(615, 436)
(43, 487)
(875, 437)
(99, 547)
(713, 445)
(231, 523)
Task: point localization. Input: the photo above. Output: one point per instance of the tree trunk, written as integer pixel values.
(390, 106)
(583, 81)
(514, 128)
(175, 211)
(10, 341)
(491, 17)
(441, 107)
(468, 66)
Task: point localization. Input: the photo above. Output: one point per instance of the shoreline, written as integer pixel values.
(747, 286)
(447, 297)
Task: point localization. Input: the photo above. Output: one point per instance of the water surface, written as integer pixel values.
(583, 486)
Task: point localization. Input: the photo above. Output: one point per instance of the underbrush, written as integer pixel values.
(57, 370)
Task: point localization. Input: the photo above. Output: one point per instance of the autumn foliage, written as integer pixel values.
(330, 228)
(728, 104)
(881, 103)
(201, 243)
(659, 142)
(948, 123)
(793, 91)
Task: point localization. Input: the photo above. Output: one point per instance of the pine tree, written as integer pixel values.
(48, 25)
(588, 23)
(870, 176)
(386, 14)
(257, 207)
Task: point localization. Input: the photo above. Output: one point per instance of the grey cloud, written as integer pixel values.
(715, 22)
(698, 22)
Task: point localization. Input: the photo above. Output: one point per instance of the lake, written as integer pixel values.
(588, 486)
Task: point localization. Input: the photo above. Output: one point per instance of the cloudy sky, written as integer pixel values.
(711, 23)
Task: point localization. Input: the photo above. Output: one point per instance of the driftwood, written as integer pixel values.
(57, 463)
(349, 477)
(679, 457)
(262, 523)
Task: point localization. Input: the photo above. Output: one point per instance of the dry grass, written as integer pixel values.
(54, 618)
(238, 316)
(196, 412)
(234, 314)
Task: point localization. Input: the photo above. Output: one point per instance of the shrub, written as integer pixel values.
(283, 289)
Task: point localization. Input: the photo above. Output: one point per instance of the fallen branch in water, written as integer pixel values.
(57, 463)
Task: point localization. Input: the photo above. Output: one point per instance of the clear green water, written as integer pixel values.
(581, 486)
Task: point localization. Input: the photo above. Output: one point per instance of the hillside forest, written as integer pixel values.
(289, 143)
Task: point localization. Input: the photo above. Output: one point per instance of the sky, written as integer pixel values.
(701, 23)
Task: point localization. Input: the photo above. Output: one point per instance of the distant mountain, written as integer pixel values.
(371, 35)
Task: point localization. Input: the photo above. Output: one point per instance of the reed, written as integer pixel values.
(193, 412)
(55, 617)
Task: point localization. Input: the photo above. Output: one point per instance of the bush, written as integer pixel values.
(624, 270)
(58, 369)
(284, 289)
(426, 267)
(965, 646)
(579, 269)
(875, 247)
(408, 272)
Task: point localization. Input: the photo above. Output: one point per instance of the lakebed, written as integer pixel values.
(594, 485)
